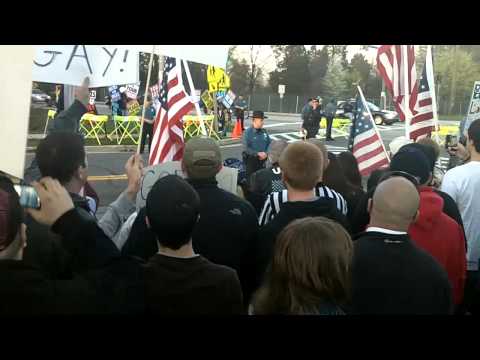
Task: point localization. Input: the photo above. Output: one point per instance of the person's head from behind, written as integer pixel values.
(277, 147)
(62, 156)
(202, 159)
(172, 209)
(375, 177)
(473, 140)
(397, 143)
(395, 204)
(302, 166)
(430, 143)
(310, 266)
(13, 236)
(349, 164)
(414, 162)
(323, 149)
(334, 176)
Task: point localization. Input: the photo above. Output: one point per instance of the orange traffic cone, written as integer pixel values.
(237, 130)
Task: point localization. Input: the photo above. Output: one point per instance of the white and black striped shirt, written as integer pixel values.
(276, 199)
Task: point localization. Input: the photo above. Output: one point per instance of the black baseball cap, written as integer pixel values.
(172, 207)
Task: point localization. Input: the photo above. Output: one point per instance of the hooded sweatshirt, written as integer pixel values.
(439, 235)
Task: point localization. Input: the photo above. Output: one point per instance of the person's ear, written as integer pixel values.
(23, 236)
(147, 222)
(327, 162)
(369, 206)
(416, 216)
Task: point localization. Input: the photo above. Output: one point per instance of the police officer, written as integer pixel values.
(256, 143)
(311, 120)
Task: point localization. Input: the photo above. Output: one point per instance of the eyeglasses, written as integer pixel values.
(413, 179)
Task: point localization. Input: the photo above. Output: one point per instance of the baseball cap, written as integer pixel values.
(172, 207)
(397, 143)
(428, 151)
(202, 158)
(414, 162)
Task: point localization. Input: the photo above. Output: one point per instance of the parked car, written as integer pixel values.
(39, 96)
(380, 116)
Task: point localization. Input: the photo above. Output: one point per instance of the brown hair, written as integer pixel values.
(310, 266)
(302, 165)
(429, 142)
(319, 144)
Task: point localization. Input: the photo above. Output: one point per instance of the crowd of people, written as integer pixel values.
(307, 237)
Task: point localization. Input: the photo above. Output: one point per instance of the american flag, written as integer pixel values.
(364, 142)
(167, 142)
(423, 123)
(390, 65)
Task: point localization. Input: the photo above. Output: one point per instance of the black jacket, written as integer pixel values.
(391, 275)
(226, 234)
(262, 183)
(102, 283)
(45, 249)
(312, 118)
(68, 120)
(291, 211)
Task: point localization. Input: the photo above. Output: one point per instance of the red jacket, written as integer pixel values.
(441, 237)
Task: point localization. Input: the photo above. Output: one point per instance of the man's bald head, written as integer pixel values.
(395, 204)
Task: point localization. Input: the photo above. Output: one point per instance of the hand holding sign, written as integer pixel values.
(82, 93)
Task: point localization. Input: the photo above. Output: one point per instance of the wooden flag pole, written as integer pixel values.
(373, 122)
(406, 87)
(431, 81)
(145, 99)
(192, 89)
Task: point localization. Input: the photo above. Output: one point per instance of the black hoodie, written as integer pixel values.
(293, 210)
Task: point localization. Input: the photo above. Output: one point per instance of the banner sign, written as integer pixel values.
(105, 65)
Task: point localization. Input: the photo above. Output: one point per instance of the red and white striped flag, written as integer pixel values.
(423, 123)
(167, 142)
(365, 142)
(390, 65)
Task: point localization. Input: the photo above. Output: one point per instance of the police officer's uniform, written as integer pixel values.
(255, 141)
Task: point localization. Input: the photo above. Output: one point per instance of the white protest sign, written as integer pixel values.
(226, 178)
(69, 64)
(474, 108)
(15, 95)
(93, 96)
(132, 91)
(215, 55)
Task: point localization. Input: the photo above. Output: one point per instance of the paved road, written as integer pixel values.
(107, 163)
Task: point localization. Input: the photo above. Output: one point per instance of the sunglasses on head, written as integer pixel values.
(414, 180)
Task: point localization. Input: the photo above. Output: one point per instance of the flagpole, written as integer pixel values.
(145, 99)
(431, 80)
(192, 89)
(373, 122)
(406, 87)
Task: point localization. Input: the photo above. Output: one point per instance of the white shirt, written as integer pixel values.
(463, 185)
(385, 231)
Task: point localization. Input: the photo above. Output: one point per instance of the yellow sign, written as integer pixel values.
(207, 100)
(133, 107)
(217, 79)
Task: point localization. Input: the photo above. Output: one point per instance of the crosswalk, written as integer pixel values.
(442, 162)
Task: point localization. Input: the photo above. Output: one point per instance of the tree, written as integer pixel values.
(292, 68)
(457, 71)
(318, 68)
(237, 71)
(334, 84)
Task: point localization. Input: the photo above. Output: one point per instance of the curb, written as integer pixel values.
(130, 148)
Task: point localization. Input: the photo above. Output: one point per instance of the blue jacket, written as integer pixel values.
(255, 141)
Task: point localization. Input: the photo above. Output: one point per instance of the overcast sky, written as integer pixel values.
(266, 56)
